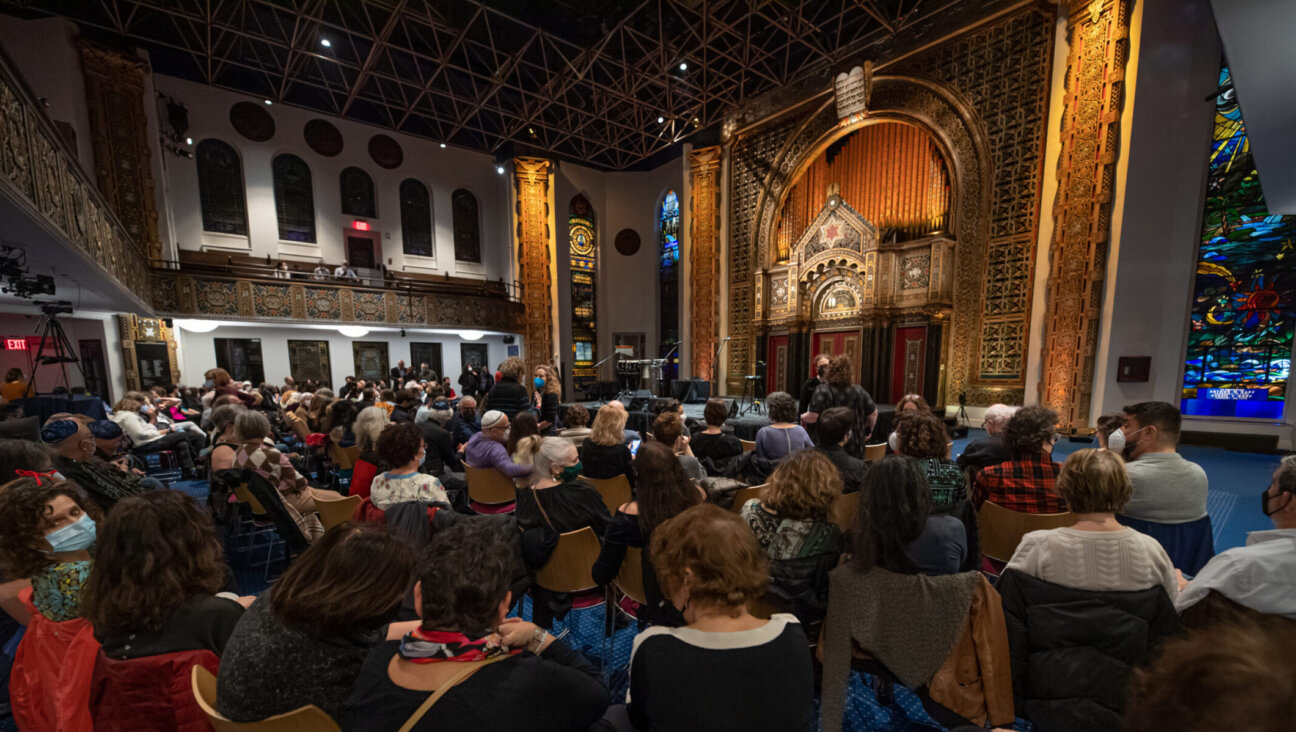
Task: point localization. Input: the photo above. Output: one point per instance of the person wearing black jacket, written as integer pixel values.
(468, 381)
(816, 378)
(834, 427)
(465, 423)
(509, 396)
(990, 451)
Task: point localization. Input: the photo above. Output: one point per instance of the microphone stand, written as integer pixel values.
(600, 363)
(662, 369)
(714, 373)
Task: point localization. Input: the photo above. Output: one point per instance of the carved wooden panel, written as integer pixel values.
(1099, 40)
(118, 133)
(704, 174)
(531, 178)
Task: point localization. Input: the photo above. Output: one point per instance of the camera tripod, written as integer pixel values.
(51, 330)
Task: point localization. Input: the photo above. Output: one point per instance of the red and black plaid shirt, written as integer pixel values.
(1026, 484)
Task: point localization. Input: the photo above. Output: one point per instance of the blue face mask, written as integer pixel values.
(73, 537)
(539, 383)
(209, 383)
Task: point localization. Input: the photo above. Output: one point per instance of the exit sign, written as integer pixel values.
(15, 344)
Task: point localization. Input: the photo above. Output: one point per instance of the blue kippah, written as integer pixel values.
(441, 404)
(59, 431)
(105, 429)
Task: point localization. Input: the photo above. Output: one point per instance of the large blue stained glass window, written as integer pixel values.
(669, 251)
(583, 251)
(1244, 300)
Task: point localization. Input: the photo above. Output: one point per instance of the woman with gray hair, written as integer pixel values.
(784, 437)
(980, 454)
(557, 501)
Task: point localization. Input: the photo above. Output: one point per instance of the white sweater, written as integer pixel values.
(136, 428)
(1101, 561)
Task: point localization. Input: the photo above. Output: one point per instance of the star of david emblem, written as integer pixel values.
(831, 232)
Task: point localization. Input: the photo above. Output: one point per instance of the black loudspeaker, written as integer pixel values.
(167, 322)
(699, 392)
(641, 400)
(508, 340)
(679, 389)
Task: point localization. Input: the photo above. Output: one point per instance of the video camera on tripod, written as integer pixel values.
(52, 333)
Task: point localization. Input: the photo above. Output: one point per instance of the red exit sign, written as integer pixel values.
(15, 344)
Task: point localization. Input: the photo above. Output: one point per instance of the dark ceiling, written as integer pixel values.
(600, 82)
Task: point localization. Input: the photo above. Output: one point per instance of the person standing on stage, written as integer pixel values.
(838, 391)
(816, 379)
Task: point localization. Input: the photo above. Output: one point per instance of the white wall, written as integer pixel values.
(197, 351)
(84, 326)
(442, 171)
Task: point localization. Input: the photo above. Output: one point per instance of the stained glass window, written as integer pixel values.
(416, 218)
(467, 227)
(220, 188)
(357, 193)
(1243, 312)
(668, 237)
(583, 250)
(294, 198)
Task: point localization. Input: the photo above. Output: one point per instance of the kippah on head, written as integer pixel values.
(105, 429)
(440, 404)
(55, 432)
(492, 418)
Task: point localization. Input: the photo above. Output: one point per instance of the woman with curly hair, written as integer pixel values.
(547, 395)
(792, 518)
(838, 391)
(156, 584)
(1027, 482)
(46, 532)
(401, 446)
(920, 435)
(783, 436)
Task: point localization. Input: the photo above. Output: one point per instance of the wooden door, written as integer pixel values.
(909, 353)
(836, 344)
(776, 365)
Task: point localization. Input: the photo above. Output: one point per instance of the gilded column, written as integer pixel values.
(1099, 38)
(704, 175)
(118, 133)
(531, 181)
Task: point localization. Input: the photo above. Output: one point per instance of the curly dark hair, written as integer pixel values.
(577, 416)
(782, 407)
(464, 577)
(23, 455)
(153, 553)
(921, 435)
(1109, 423)
(399, 443)
(1028, 430)
(23, 549)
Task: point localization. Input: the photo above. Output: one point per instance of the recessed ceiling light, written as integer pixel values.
(499, 169)
(443, 146)
(660, 120)
(268, 102)
(683, 66)
(326, 43)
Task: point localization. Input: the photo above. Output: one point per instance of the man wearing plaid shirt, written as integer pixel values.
(1027, 482)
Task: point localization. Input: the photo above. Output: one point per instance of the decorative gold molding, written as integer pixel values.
(704, 176)
(1099, 46)
(135, 329)
(119, 135)
(531, 181)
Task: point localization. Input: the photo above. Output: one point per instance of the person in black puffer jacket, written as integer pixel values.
(509, 396)
(1073, 651)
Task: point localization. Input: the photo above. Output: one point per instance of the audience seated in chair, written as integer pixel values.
(486, 448)
(133, 414)
(47, 530)
(663, 491)
(668, 429)
(1097, 553)
(523, 439)
(920, 435)
(713, 443)
(464, 424)
(604, 453)
(725, 669)
(556, 501)
(225, 442)
(793, 523)
(783, 436)
(576, 425)
(368, 428)
(401, 446)
(1025, 483)
(304, 640)
(298, 495)
(109, 453)
(834, 428)
(991, 451)
(896, 503)
(1169, 499)
(482, 671)
(74, 447)
(158, 580)
(1261, 575)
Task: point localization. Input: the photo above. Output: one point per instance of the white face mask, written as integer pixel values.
(1117, 440)
(894, 442)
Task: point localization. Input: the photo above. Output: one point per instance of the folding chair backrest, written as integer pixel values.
(336, 511)
(873, 453)
(844, 508)
(270, 500)
(309, 718)
(298, 425)
(344, 457)
(748, 445)
(569, 567)
(1002, 529)
(631, 577)
(743, 495)
(488, 485)
(616, 491)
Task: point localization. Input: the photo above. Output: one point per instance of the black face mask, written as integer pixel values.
(823, 370)
(1265, 498)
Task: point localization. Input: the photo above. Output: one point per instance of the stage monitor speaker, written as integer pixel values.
(641, 401)
(699, 392)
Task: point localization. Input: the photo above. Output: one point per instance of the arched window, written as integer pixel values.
(467, 228)
(220, 188)
(357, 193)
(294, 199)
(583, 250)
(668, 238)
(416, 218)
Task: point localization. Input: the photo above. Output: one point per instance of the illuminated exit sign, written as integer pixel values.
(15, 344)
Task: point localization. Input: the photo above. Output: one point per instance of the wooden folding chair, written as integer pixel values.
(298, 425)
(630, 580)
(616, 491)
(344, 458)
(569, 570)
(1002, 529)
(748, 445)
(844, 508)
(489, 490)
(873, 453)
(309, 718)
(743, 495)
(337, 511)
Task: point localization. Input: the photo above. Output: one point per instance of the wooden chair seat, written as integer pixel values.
(489, 486)
(615, 491)
(337, 511)
(1002, 529)
(748, 445)
(630, 580)
(743, 495)
(309, 718)
(844, 508)
(344, 458)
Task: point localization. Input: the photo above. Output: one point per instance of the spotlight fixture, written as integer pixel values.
(683, 66)
(268, 102)
(402, 332)
(661, 120)
(499, 169)
(443, 146)
(326, 43)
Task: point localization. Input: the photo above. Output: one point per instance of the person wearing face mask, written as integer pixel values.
(47, 530)
(74, 447)
(557, 501)
(486, 448)
(547, 395)
(129, 413)
(818, 375)
(463, 425)
(401, 446)
(1261, 575)
(1167, 488)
